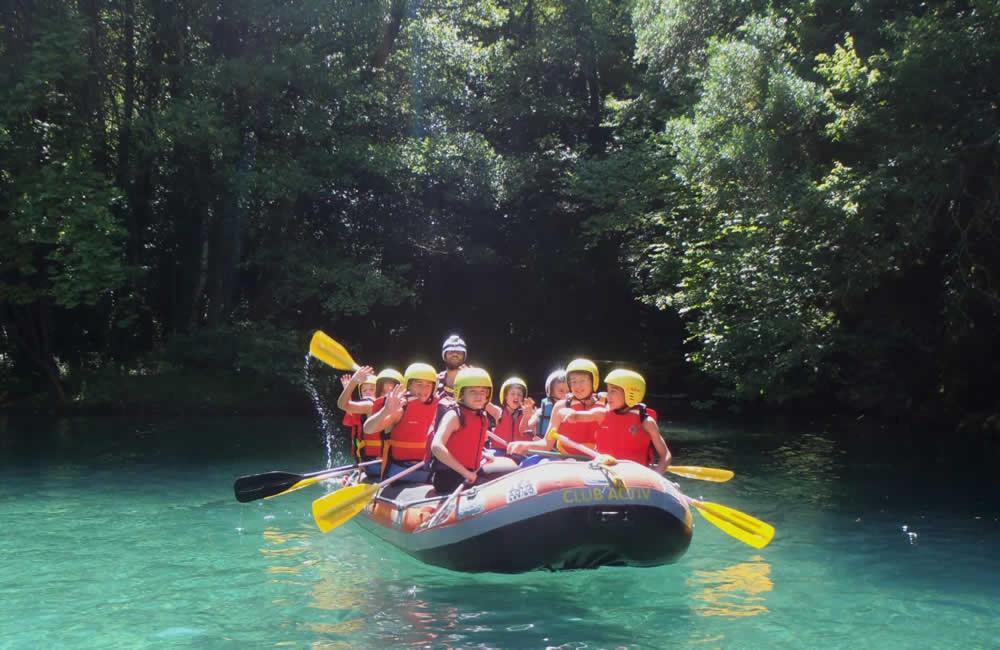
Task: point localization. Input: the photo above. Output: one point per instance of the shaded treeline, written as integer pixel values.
(798, 198)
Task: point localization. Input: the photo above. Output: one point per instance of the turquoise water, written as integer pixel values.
(122, 533)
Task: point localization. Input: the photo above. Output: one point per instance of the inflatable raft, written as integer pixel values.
(558, 516)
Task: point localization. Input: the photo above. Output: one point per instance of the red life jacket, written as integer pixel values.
(367, 446)
(467, 442)
(508, 427)
(408, 438)
(579, 432)
(620, 434)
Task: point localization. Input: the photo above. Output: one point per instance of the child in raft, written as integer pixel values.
(627, 429)
(556, 389)
(583, 380)
(458, 441)
(372, 390)
(516, 411)
(408, 413)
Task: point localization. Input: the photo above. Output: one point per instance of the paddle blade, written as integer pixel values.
(740, 525)
(713, 474)
(338, 507)
(261, 486)
(331, 353)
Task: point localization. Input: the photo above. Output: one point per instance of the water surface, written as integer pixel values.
(122, 533)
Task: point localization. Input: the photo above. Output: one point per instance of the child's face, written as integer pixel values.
(386, 386)
(367, 390)
(616, 398)
(421, 389)
(559, 390)
(513, 397)
(475, 397)
(581, 384)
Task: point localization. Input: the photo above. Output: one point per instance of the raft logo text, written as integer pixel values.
(598, 495)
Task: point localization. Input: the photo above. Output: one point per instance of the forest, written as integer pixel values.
(786, 205)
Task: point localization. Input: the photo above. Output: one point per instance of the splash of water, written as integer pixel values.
(326, 421)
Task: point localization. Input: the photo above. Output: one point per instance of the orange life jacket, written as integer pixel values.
(620, 434)
(408, 438)
(579, 432)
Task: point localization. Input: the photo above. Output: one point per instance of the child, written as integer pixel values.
(584, 380)
(626, 429)
(460, 436)
(355, 411)
(556, 389)
(517, 409)
(408, 414)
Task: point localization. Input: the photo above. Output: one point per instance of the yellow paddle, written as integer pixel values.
(740, 525)
(713, 474)
(331, 352)
(341, 506)
(688, 471)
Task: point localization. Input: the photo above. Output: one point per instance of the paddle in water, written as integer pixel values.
(339, 507)
(740, 525)
(272, 484)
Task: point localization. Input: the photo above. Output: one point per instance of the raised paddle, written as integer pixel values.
(272, 484)
(331, 352)
(341, 506)
(740, 525)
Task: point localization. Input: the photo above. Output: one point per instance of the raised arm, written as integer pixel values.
(389, 414)
(344, 402)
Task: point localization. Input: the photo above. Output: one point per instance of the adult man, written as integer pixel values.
(454, 354)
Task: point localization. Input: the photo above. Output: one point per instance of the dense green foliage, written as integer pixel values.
(809, 187)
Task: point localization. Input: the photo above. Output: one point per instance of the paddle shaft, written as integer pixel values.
(269, 484)
(566, 442)
(439, 513)
(405, 472)
(342, 468)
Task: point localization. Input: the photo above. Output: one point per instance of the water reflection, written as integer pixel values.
(735, 591)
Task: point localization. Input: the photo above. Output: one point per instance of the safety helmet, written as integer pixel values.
(470, 377)
(585, 365)
(629, 381)
(554, 377)
(369, 379)
(387, 374)
(512, 381)
(453, 343)
(419, 371)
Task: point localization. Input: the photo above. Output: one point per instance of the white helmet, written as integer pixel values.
(554, 377)
(453, 343)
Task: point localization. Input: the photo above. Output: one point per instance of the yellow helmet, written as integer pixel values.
(585, 365)
(370, 379)
(513, 381)
(387, 374)
(469, 377)
(419, 371)
(390, 374)
(631, 382)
